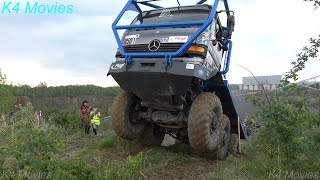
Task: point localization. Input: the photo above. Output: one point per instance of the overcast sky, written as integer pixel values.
(78, 48)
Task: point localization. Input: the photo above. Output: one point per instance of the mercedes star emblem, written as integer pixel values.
(154, 45)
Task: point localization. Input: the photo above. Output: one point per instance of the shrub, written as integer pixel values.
(290, 129)
(67, 120)
(6, 99)
(30, 152)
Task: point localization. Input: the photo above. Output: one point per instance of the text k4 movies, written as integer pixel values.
(25, 7)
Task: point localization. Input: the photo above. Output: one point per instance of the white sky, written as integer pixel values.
(78, 48)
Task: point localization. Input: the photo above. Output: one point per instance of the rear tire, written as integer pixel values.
(204, 122)
(224, 138)
(123, 116)
(153, 135)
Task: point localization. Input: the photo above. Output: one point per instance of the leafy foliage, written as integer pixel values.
(6, 97)
(3, 78)
(30, 152)
(67, 120)
(71, 90)
(316, 3)
(290, 130)
(303, 57)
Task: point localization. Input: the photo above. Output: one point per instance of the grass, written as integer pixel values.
(72, 155)
(242, 167)
(111, 141)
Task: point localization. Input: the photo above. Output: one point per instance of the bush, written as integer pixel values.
(6, 99)
(67, 120)
(23, 117)
(290, 131)
(30, 152)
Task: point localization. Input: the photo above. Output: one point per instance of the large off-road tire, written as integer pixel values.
(123, 116)
(234, 144)
(224, 138)
(204, 121)
(152, 135)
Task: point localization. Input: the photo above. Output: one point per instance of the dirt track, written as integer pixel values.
(177, 161)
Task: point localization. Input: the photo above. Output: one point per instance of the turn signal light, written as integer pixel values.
(197, 49)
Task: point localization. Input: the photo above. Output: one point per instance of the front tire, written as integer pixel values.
(224, 138)
(204, 122)
(124, 116)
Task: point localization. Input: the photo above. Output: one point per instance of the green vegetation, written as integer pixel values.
(62, 91)
(27, 151)
(286, 146)
(67, 120)
(290, 125)
(6, 96)
(56, 151)
(7, 100)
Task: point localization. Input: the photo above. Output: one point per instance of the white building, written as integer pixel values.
(268, 82)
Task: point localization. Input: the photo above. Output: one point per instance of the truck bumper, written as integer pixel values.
(155, 78)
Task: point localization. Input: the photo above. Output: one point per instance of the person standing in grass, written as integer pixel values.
(85, 118)
(95, 120)
(37, 118)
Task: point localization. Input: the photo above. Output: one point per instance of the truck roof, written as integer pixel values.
(198, 6)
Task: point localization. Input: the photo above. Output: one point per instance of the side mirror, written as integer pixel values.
(230, 26)
(230, 23)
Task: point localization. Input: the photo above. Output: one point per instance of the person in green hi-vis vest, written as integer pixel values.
(95, 120)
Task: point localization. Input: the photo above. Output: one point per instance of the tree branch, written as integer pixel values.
(316, 3)
(303, 57)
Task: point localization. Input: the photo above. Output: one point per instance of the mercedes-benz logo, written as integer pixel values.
(154, 45)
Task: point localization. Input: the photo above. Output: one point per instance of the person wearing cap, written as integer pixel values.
(85, 118)
(95, 120)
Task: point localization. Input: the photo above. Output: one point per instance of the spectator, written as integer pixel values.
(37, 118)
(95, 120)
(85, 118)
(41, 118)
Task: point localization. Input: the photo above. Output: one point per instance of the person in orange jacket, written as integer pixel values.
(85, 116)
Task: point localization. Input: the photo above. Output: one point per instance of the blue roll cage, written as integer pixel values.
(134, 5)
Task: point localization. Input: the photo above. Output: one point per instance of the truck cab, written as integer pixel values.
(207, 50)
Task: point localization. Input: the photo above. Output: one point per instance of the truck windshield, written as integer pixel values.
(178, 14)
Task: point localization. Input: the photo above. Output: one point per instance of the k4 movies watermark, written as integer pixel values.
(284, 174)
(26, 7)
(23, 175)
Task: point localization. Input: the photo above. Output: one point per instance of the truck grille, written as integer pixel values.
(164, 47)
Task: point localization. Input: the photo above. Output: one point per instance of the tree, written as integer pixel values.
(290, 120)
(306, 54)
(3, 78)
(303, 57)
(316, 2)
(6, 97)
